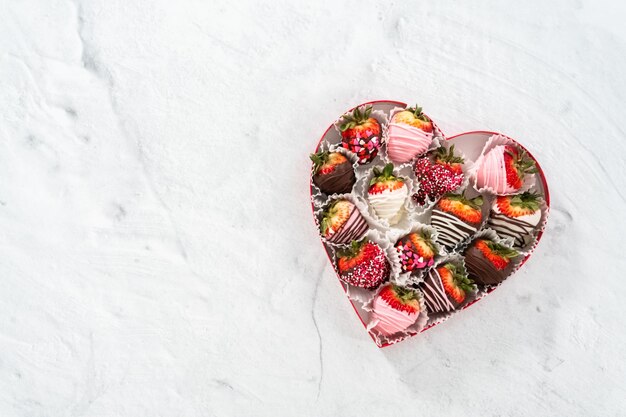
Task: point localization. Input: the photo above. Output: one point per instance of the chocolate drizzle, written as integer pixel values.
(505, 226)
(339, 181)
(452, 230)
(435, 297)
(482, 271)
(353, 229)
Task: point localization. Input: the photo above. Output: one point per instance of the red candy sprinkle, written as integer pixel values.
(435, 180)
(369, 274)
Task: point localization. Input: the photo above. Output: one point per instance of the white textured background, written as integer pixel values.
(157, 252)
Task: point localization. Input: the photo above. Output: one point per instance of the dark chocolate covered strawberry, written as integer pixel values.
(489, 262)
(332, 172)
(456, 218)
(446, 287)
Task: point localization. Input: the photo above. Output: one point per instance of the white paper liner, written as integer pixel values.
(317, 196)
(320, 211)
(436, 318)
(416, 276)
(361, 190)
(416, 327)
(492, 142)
(361, 295)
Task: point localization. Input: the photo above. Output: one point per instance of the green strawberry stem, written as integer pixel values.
(319, 159)
(501, 250)
(353, 250)
(447, 155)
(459, 275)
(527, 200)
(417, 112)
(404, 294)
(357, 117)
(428, 239)
(475, 202)
(385, 175)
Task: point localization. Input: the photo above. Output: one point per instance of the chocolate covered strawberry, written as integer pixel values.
(395, 309)
(516, 217)
(364, 264)
(410, 134)
(438, 174)
(416, 250)
(504, 168)
(446, 287)
(332, 172)
(387, 193)
(489, 262)
(456, 218)
(342, 222)
(361, 133)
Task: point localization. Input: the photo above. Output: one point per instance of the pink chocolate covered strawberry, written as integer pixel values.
(395, 309)
(410, 134)
(504, 169)
(361, 133)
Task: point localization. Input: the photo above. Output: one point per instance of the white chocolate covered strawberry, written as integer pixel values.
(387, 194)
(516, 217)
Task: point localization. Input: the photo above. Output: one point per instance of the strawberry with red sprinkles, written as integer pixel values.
(438, 173)
(363, 264)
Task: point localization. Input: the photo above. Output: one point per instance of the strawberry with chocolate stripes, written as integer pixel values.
(342, 222)
(516, 217)
(456, 218)
(447, 287)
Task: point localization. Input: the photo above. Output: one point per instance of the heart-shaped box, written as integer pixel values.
(472, 146)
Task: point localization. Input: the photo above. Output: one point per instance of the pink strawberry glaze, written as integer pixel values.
(492, 173)
(406, 142)
(390, 320)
